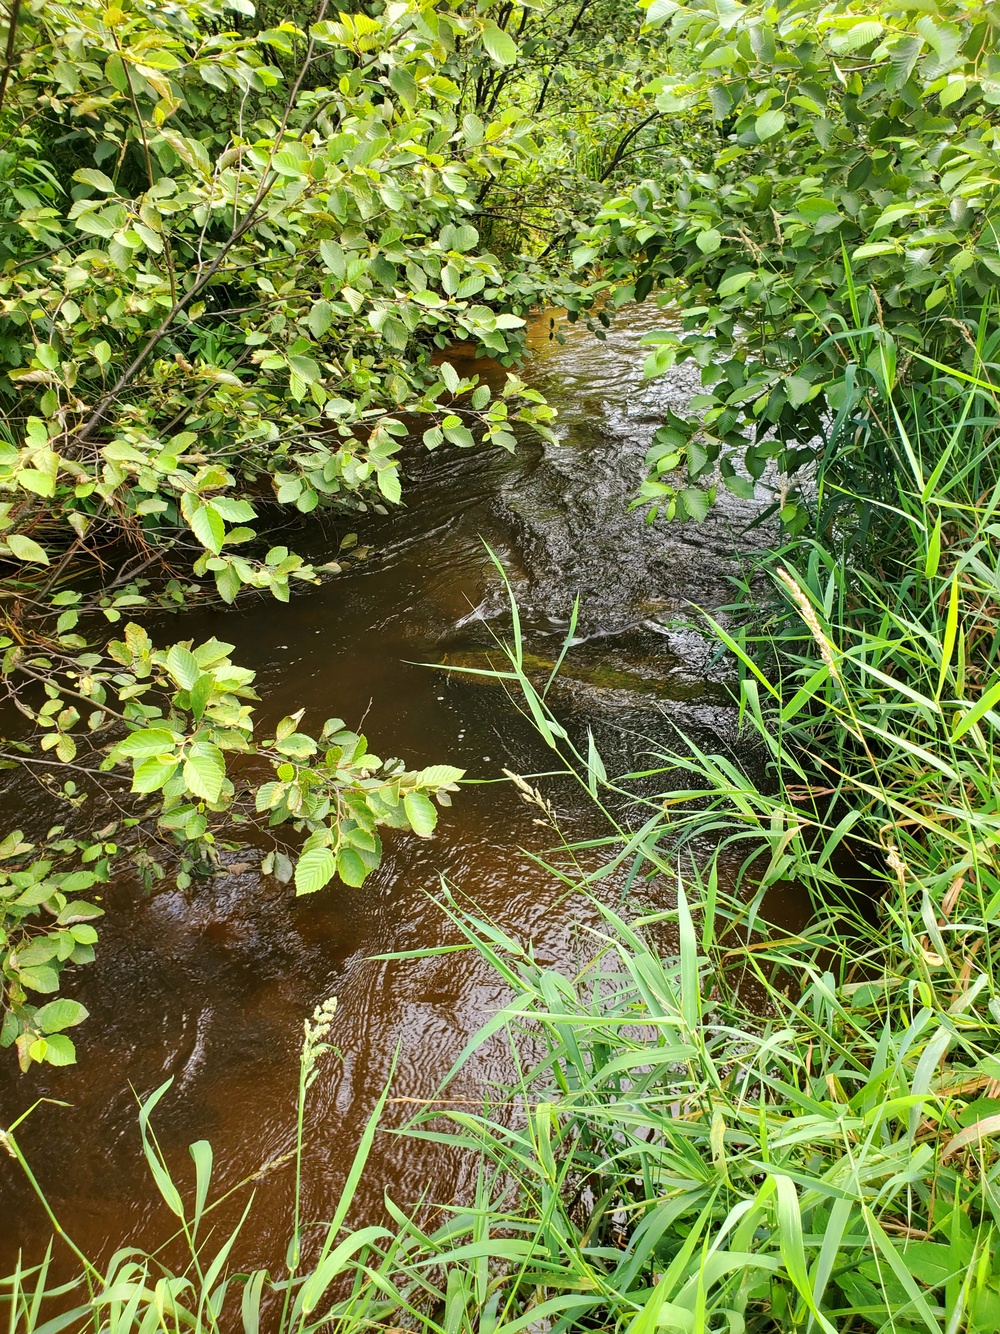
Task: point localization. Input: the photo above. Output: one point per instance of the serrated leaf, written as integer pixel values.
(333, 257)
(350, 867)
(473, 129)
(59, 1050)
(60, 1014)
(309, 369)
(768, 124)
(320, 318)
(696, 502)
(228, 583)
(204, 773)
(459, 435)
(151, 774)
(289, 163)
(316, 868)
(147, 741)
(421, 813)
(439, 775)
(183, 666)
(500, 45)
(208, 527)
(232, 510)
(389, 485)
(43, 978)
(36, 894)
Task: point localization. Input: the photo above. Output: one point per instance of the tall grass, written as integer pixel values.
(743, 1131)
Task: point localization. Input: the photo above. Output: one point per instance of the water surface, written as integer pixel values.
(211, 985)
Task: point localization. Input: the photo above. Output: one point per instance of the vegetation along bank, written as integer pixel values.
(238, 248)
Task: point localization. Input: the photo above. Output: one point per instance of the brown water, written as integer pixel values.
(211, 985)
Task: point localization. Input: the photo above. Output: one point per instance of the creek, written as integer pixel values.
(210, 986)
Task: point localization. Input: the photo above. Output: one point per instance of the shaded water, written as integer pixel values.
(211, 985)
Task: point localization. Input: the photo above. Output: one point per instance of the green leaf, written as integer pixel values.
(320, 318)
(439, 775)
(473, 129)
(24, 548)
(459, 435)
(309, 369)
(41, 483)
(151, 774)
(79, 911)
(459, 237)
(739, 486)
(861, 34)
(233, 511)
(200, 694)
(40, 950)
(404, 85)
(735, 282)
(76, 882)
(500, 45)
(696, 502)
(769, 124)
(982, 706)
(208, 527)
(315, 869)
(183, 666)
(389, 485)
(57, 1050)
(60, 1014)
(421, 813)
(91, 176)
(204, 773)
(228, 582)
(350, 867)
(42, 978)
(289, 163)
(147, 741)
(709, 240)
(299, 745)
(333, 257)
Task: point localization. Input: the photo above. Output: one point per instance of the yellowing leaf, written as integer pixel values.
(26, 549)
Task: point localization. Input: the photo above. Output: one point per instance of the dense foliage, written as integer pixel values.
(228, 255)
(832, 170)
(275, 227)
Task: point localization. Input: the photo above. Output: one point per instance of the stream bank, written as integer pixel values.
(210, 986)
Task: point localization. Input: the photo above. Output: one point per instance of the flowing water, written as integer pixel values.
(210, 986)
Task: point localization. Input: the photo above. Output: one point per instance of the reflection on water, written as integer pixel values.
(211, 985)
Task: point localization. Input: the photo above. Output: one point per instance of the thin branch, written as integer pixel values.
(12, 18)
(625, 141)
(565, 46)
(65, 764)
